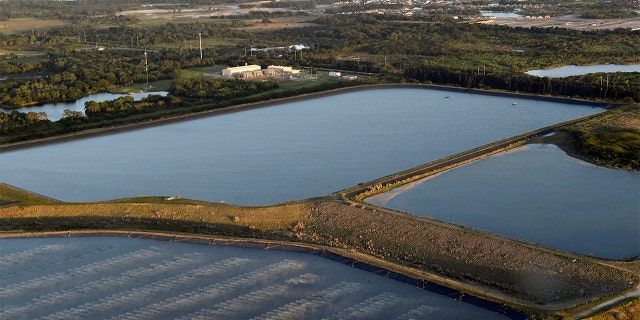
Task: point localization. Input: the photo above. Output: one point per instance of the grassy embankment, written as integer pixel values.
(474, 262)
(610, 140)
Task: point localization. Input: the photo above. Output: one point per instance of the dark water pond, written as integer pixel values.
(55, 111)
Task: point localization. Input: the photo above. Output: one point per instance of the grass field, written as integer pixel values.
(21, 25)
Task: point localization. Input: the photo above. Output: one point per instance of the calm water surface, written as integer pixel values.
(572, 70)
(536, 194)
(281, 153)
(499, 15)
(117, 278)
(56, 110)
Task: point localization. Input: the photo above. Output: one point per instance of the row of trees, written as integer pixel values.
(219, 89)
(126, 106)
(17, 126)
(594, 86)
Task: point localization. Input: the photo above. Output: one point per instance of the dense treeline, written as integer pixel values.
(377, 35)
(393, 42)
(126, 106)
(18, 126)
(588, 86)
(453, 51)
(32, 123)
(123, 35)
(19, 67)
(219, 89)
(72, 75)
(396, 40)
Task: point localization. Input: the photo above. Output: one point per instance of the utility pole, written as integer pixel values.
(601, 85)
(200, 37)
(146, 66)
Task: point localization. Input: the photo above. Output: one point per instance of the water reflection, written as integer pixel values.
(499, 14)
(567, 71)
(55, 111)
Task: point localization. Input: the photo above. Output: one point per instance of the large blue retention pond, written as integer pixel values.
(281, 153)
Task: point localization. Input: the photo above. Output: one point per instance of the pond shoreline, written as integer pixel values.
(268, 103)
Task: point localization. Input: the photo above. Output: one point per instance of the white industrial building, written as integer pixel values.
(235, 71)
(255, 71)
(283, 69)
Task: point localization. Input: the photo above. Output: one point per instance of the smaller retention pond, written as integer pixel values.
(536, 194)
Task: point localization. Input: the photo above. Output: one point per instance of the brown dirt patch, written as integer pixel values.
(279, 23)
(28, 24)
(542, 277)
(627, 311)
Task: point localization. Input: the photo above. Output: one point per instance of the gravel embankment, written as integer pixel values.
(537, 276)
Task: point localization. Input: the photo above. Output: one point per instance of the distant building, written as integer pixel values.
(238, 71)
(281, 70)
(255, 71)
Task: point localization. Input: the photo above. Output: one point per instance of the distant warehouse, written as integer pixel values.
(255, 71)
(235, 71)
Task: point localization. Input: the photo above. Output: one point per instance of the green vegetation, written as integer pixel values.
(619, 147)
(219, 89)
(612, 139)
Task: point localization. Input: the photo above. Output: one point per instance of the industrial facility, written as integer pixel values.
(255, 71)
